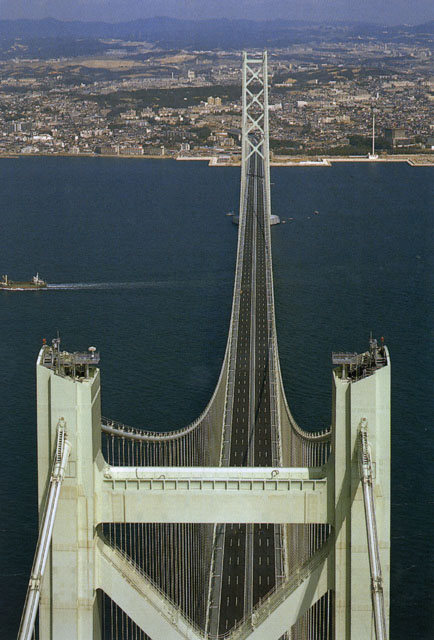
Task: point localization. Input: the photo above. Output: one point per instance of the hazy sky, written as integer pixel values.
(384, 11)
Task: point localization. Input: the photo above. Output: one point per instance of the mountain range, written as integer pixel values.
(205, 34)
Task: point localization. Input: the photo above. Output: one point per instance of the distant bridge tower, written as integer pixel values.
(255, 128)
(138, 528)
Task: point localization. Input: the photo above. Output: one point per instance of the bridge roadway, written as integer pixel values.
(249, 566)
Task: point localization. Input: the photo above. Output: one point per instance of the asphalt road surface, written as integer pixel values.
(249, 567)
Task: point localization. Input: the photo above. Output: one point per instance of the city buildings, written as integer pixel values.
(321, 100)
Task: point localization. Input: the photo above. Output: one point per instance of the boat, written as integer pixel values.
(10, 285)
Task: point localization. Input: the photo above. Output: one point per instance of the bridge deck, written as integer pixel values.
(249, 567)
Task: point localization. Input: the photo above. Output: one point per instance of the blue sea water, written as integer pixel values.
(151, 253)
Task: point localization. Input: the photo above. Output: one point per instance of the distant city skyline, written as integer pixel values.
(388, 12)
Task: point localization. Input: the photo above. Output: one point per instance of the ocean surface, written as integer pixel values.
(144, 257)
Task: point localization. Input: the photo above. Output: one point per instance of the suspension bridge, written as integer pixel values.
(240, 525)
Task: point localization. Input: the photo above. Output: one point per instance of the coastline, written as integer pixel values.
(414, 160)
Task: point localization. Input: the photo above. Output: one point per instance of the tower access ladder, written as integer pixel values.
(366, 476)
(60, 459)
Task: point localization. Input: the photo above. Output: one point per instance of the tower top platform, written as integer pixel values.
(77, 365)
(354, 366)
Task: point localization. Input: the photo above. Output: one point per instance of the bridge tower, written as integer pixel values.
(240, 525)
(255, 126)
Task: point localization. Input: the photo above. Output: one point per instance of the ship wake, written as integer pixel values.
(74, 286)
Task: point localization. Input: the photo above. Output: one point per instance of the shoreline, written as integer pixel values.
(414, 160)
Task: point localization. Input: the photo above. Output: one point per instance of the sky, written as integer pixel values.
(380, 11)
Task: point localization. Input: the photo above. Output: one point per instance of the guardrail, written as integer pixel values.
(233, 334)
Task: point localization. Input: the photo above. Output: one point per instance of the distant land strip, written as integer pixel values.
(415, 160)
